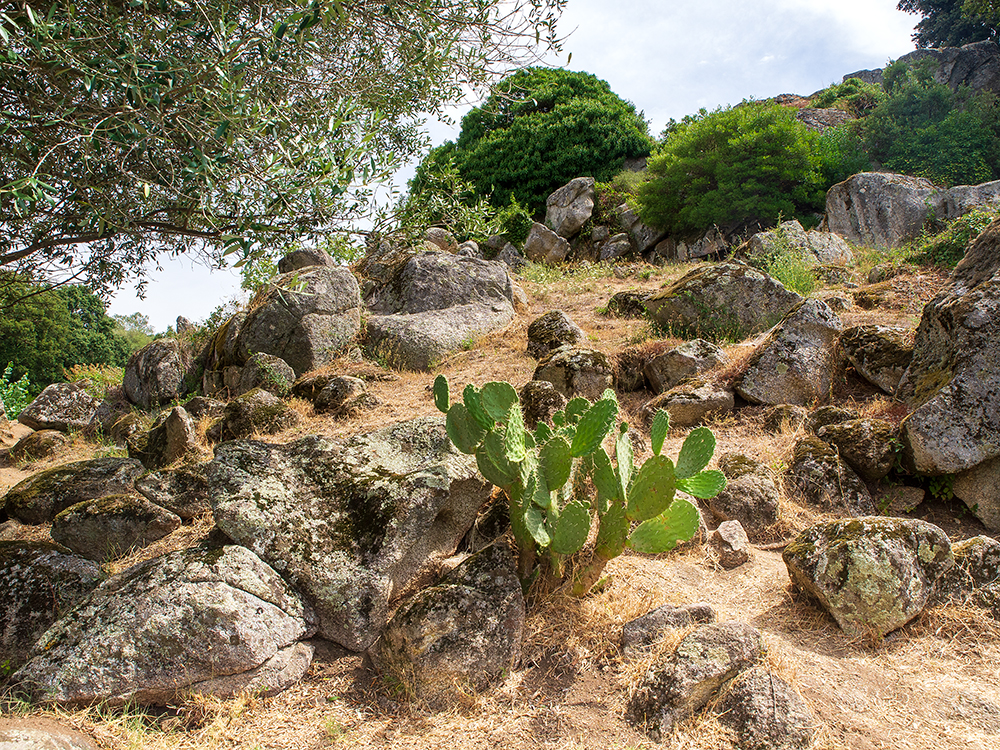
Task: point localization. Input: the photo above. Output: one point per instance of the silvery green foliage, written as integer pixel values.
(545, 474)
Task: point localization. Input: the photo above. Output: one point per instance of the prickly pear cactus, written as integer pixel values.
(560, 481)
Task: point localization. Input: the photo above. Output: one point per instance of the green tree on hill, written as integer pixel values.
(538, 130)
(948, 23)
(733, 168)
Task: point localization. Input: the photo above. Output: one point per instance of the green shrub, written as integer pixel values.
(853, 95)
(445, 199)
(732, 168)
(840, 153)
(947, 248)
(100, 378)
(560, 481)
(787, 263)
(14, 394)
(515, 222)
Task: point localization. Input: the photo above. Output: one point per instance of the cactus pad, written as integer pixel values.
(704, 484)
(465, 432)
(572, 529)
(658, 432)
(612, 533)
(514, 437)
(576, 408)
(678, 523)
(594, 426)
(652, 490)
(491, 458)
(696, 452)
(441, 400)
(497, 398)
(555, 462)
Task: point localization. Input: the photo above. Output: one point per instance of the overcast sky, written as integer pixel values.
(669, 59)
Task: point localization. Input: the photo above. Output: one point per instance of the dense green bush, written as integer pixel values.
(840, 153)
(947, 248)
(733, 168)
(44, 334)
(14, 394)
(924, 128)
(853, 95)
(540, 129)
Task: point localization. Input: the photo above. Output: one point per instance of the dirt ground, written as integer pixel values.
(932, 685)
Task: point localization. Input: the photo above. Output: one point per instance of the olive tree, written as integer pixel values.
(130, 128)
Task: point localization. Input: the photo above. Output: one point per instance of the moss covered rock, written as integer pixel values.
(796, 362)
(766, 713)
(575, 371)
(953, 382)
(183, 491)
(672, 367)
(38, 445)
(157, 373)
(681, 682)
(871, 574)
(551, 331)
(750, 496)
(111, 527)
(61, 406)
(724, 301)
(39, 583)
(826, 481)
(879, 354)
(255, 413)
(869, 446)
(464, 633)
(353, 524)
(41, 496)
(212, 621)
(690, 403)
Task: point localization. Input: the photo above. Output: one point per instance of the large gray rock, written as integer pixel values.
(422, 341)
(349, 525)
(570, 207)
(255, 413)
(728, 300)
(976, 570)
(867, 445)
(645, 237)
(41, 734)
(39, 583)
(435, 304)
(551, 331)
(812, 246)
(881, 209)
(305, 317)
(172, 437)
(186, 622)
(38, 445)
(462, 634)
(690, 403)
(304, 258)
(713, 242)
(975, 65)
(61, 406)
(157, 373)
(953, 382)
(41, 496)
(268, 372)
(682, 682)
(826, 481)
(545, 246)
(796, 362)
(766, 713)
(979, 489)
(575, 371)
(183, 491)
(872, 574)
(691, 358)
(112, 527)
(879, 354)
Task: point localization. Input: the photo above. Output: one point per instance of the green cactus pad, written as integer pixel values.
(605, 480)
(576, 408)
(653, 489)
(465, 432)
(661, 534)
(556, 462)
(594, 426)
(559, 418)
(441, 399)
(514, 437)
(704, 484)
(497, 398)
(572, 529)
(534, 521)
(543, 433)
(491, 458)
(626, 465)
(474, 403)
(696, 452)
(612, 533)
(658, 432)
(609, 395)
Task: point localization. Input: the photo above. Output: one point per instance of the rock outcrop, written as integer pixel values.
(570, 207)
(60, 406)
(157, 373)
(350, 526)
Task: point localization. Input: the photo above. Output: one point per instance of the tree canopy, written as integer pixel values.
(951, 23)
(540, 129)
(734, 167)
(133, 128)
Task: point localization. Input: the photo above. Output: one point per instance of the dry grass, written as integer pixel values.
(927, 687)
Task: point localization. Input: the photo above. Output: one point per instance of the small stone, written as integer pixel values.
(731, 544)
(552, 330)
(650, 627)
(766, 713)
